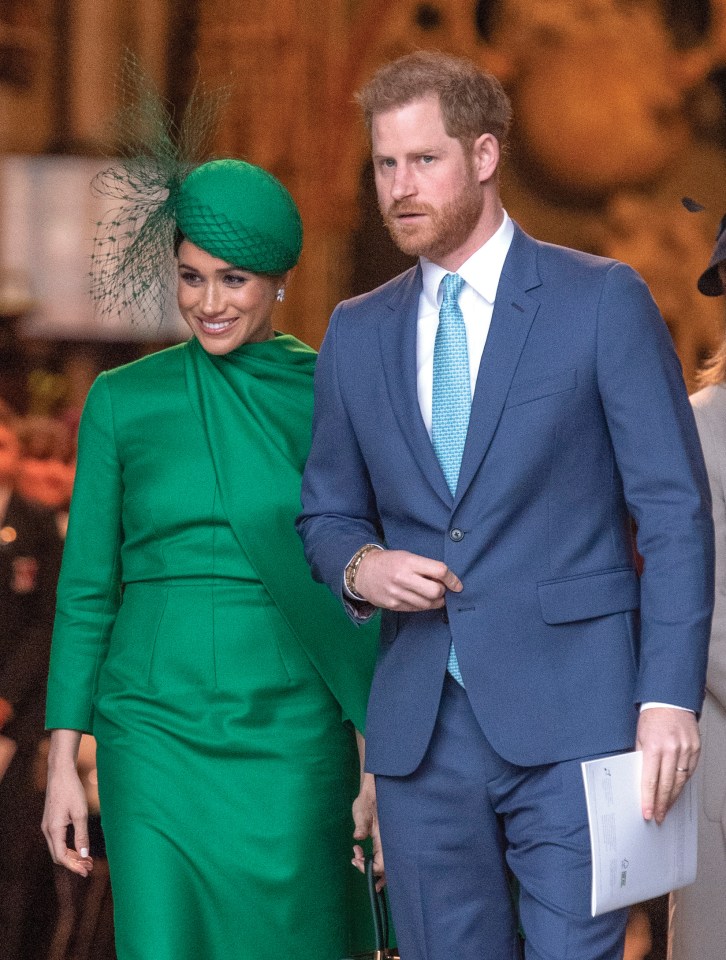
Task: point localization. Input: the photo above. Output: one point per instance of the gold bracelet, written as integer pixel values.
(351, 570)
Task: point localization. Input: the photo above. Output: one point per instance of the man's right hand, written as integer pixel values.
(399, 580)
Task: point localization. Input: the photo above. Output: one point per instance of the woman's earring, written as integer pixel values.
(280, 294)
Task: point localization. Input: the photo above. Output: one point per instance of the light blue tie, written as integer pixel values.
(451, 401)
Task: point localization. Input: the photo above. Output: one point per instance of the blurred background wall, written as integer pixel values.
(619, 109)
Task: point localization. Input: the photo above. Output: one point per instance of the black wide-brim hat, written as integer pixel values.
(709, 282)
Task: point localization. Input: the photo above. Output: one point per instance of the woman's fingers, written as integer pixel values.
(78, 860)
(77, 864)
(81, 843)
(365, 818)
(359, 858)
(65, 805)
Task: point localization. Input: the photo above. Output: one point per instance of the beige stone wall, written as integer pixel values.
(25, 122)
(615, 119)
(88, 47)
(283, 64)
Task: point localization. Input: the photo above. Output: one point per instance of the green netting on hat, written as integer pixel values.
(241, 214)
(132, 262)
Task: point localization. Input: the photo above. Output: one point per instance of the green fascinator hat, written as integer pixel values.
(163, 183)
(242, 214)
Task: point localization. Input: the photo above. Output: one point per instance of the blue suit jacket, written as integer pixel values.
(579, 421)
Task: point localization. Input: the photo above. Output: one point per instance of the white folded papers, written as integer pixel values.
(634, 859)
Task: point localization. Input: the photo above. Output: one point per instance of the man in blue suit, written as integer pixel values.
(486, 426)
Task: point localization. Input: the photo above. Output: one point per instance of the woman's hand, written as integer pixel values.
(65, 804)
(365, 818)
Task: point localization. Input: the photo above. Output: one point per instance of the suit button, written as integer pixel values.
(456, 534)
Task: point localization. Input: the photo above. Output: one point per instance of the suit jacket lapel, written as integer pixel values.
(514, 311)
(397, 335)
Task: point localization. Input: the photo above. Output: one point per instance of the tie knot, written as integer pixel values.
(452, 284)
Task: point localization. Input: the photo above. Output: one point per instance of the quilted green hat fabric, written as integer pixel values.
(242, 214)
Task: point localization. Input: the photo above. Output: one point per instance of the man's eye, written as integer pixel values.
(427, 158)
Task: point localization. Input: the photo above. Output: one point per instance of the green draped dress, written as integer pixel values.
(220, 682)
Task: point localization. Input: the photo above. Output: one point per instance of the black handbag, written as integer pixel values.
(379, 912)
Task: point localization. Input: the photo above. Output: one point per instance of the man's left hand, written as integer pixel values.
(671, 745)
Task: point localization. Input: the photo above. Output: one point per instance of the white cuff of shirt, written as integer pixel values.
(654, 703)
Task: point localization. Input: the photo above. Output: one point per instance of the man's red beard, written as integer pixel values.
(440, 231)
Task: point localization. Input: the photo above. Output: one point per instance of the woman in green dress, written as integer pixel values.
(220, 682)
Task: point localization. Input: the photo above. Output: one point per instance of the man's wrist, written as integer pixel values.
(351, 571)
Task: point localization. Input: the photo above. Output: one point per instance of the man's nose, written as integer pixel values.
(403, 184)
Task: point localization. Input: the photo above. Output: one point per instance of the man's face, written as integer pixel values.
(428, 189)
(9, 456)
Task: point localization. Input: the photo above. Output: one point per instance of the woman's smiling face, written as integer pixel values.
(223, 305)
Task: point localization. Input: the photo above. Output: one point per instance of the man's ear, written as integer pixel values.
(486, 156)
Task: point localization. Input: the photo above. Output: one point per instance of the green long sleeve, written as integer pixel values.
(89, 585)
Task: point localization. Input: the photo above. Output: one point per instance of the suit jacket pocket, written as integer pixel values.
(536, 389)
(589, 595)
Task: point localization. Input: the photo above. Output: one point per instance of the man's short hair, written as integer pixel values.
(472, 102)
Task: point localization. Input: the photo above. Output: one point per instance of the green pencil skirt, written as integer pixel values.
(226, 776)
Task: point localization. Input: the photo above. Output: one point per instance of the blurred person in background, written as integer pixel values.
(47, 466)
(29, 559)
(697, 929)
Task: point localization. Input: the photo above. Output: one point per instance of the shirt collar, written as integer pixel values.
(481, 271)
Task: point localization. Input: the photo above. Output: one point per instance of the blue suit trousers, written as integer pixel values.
(456, 829)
